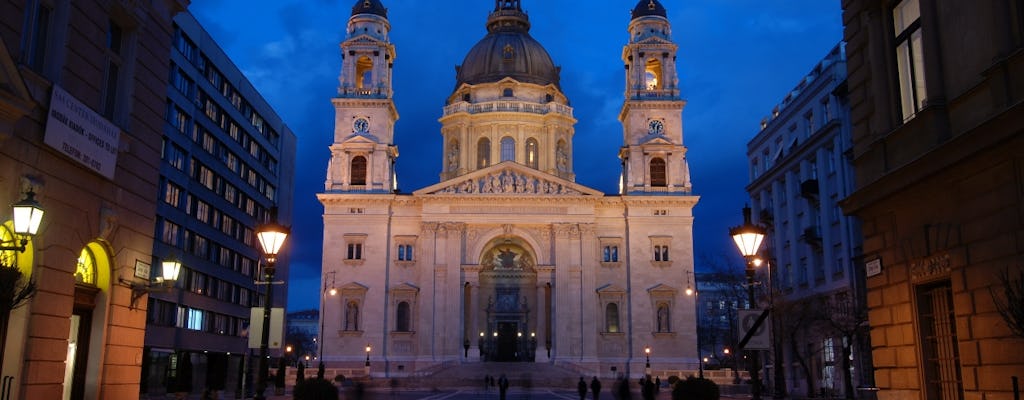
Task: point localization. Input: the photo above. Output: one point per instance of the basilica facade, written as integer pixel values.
(507, 258)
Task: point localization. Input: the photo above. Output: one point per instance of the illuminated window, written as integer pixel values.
(531, 153)
(483, 153)
(611, 318)
(906, 18)
(652, 75)
(364, 72)
(85, 271)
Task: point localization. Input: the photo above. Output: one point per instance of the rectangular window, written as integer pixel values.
(661, 253)
(195, 319)
(172, 194)
(405, 252)
(115, 44)
(171, 233)
(610, 253)
(808, 124)
(355, 251)
(36, 44)
(906, 18)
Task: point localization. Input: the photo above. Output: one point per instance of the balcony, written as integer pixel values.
(812, 237)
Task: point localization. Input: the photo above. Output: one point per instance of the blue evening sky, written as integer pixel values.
(737, 59)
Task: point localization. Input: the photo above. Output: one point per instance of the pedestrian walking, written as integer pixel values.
(595, 388)
(581, 387)
(502, 386)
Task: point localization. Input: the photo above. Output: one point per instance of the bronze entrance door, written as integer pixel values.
(507, 348)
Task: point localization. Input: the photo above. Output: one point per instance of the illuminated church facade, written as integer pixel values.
(507, 258)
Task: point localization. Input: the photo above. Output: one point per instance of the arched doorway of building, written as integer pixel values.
(92, 279)
(508, 281)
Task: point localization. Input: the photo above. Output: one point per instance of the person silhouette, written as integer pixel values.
(502, 386)
(581, 387)
(595, 388)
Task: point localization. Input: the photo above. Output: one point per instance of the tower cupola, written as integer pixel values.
(649, 8)
(374, 7)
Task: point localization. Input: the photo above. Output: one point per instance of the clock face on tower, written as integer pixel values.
(361, 125)
(655, 126)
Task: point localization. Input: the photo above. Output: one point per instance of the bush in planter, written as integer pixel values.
(315, 389)
(694, 388)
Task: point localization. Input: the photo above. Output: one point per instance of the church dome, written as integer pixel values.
(649, 7)
(508, 51)
(374, 7)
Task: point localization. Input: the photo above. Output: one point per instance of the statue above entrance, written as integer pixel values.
(507, 257)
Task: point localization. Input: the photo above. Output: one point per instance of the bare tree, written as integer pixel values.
(799, 320)
(1011, 303)
(848, 321)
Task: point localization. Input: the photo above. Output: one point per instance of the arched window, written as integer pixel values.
(7, 257)
(652, 75)
(483, 153)
(508, 149)
(358, 170)
(85, 271)
(611, 318)
(364, 72)
(658, 172)
(402, 317)
(531, 153)
(352, 316)
(663, 318)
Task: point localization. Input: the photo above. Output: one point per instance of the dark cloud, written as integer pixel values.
(737, 59)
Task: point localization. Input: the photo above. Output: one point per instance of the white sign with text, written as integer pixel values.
(82, 134)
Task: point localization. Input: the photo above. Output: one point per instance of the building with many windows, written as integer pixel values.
(507, 258)
(935, 93)
(227, 161)
(80, 129)
(800, 171)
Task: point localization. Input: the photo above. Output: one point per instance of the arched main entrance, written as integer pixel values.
(507, 281)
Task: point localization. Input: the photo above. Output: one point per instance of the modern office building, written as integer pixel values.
(227, 161)
(799, 173)
(81, 110)
(935, 92)
(507, 258)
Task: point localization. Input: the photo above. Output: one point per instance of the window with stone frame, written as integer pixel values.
(405, 249)
(609, 248)
(351, 297)
(662, 299)
(403, 303)
(660, 251)
(354, 248)
(658, 178)
(610, 297)
(117, 49)
(358, 171)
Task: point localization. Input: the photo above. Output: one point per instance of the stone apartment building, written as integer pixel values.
(82, 101)
(935, 91)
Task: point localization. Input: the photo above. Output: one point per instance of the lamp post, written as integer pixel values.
(367, 365)
(323, 313)
(271, 237)
(647, 367)
(691, 291)
(748, 239)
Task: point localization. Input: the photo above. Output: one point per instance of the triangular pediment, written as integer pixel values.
(654, 139)
(655, 40)
(661, 288)
(405, 287)
(361, 138)
(364, 39)
(611, 289)
(508, 179)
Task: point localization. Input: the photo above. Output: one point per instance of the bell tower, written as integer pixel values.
(363, 153)
(653, 156)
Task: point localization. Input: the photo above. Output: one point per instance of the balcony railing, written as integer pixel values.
(508, 106)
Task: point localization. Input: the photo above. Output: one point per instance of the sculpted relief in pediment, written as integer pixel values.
(508, 182)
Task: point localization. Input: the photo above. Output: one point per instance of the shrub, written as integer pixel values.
(695, 389)
(315, 389)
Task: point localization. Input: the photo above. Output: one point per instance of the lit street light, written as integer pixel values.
(271, 237)
(748, 238)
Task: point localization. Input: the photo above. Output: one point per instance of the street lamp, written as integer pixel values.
(169, 270)
(690, 291)
(271, 237)
(748, 238)
(27, 215)
(647, 367)
(367, 365)
(323, 313)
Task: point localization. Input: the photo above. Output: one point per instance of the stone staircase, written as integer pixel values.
(520, 375)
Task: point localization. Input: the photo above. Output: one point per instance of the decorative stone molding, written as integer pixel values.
(931, 267)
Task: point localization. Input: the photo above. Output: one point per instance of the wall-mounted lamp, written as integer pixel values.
(169, 270)
(27, 216)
